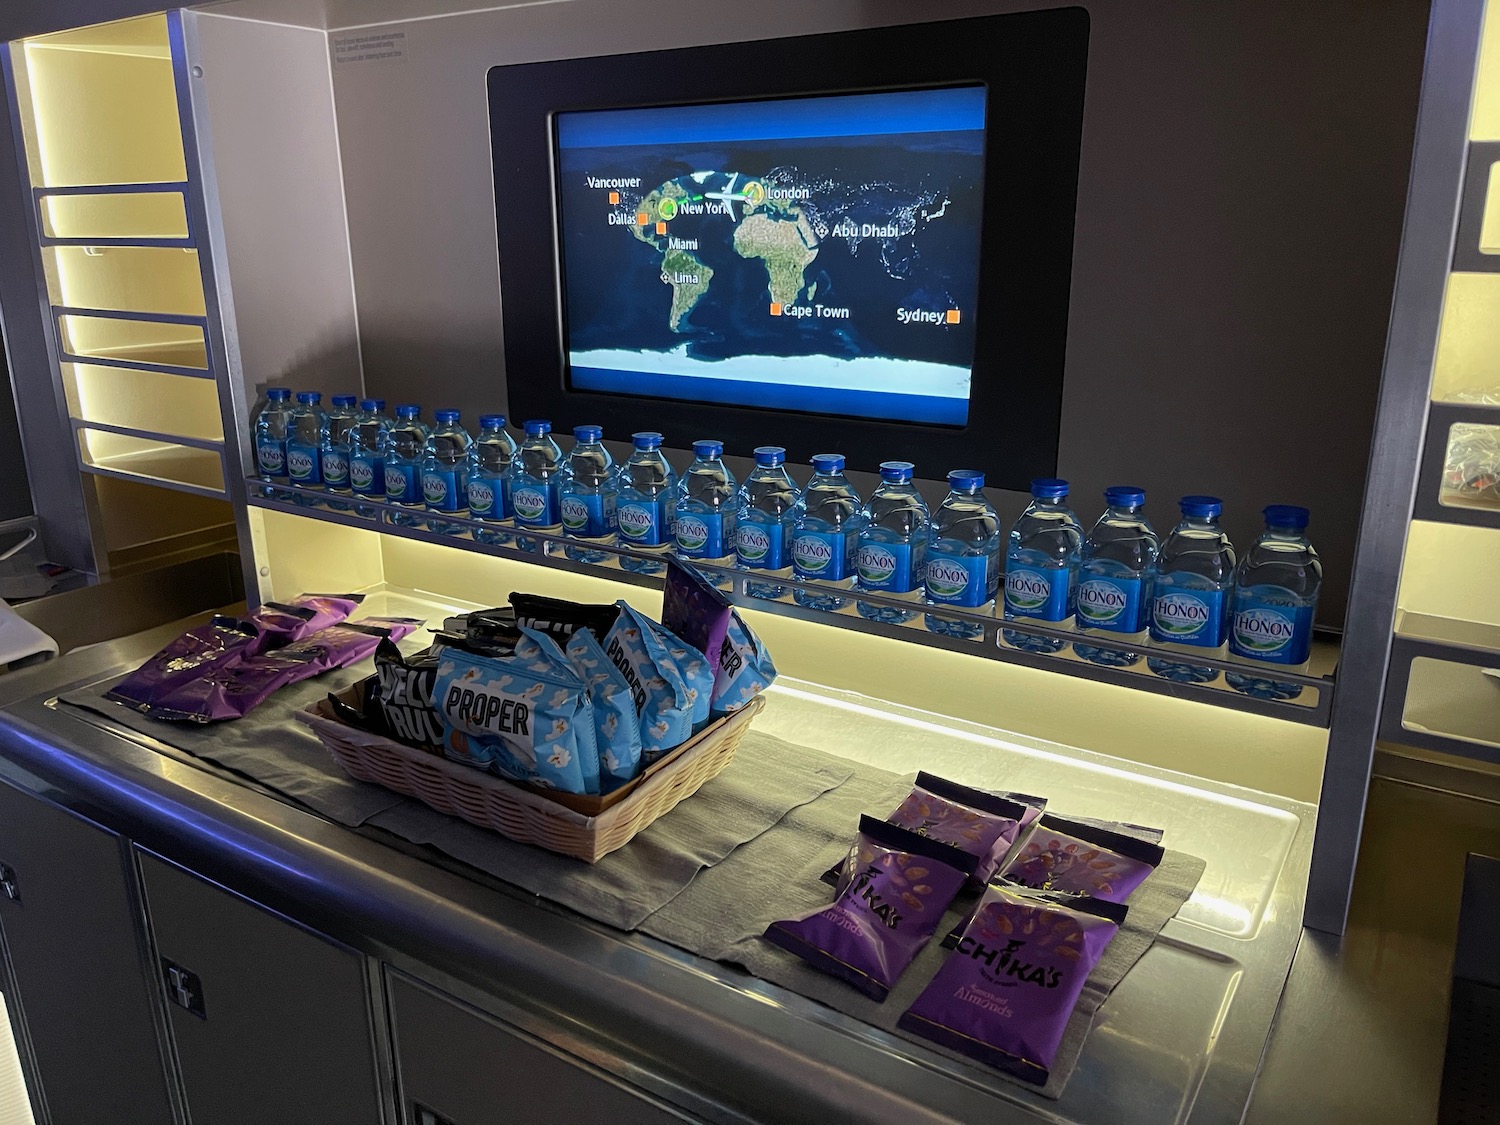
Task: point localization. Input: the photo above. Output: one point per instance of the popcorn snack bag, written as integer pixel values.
(539, 653)
(660, 693)
(894, 892)
(1084, 858)
(1005, 993)
(692, 667)
(618, 724)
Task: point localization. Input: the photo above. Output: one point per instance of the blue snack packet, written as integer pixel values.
(538, 652)
(516, 721)
(666, 713)
(617, 723)
(693, 668)
(745, 668)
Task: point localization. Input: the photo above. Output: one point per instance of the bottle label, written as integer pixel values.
(302, 464)
(1183, 616)
(487, 500)
(824, 555)
(703, 535)
(958, 580)
(445, 490)
(532, 505)
(335, 468)
(762, 546)
(401, 484)
(887, 566)
(270, 455)
(583, 515)
(1270, 624)
(1111, 603)
(367, 474)
(643, 523)
(1040, 592)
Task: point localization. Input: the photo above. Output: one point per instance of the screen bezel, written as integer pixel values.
(1032, 66)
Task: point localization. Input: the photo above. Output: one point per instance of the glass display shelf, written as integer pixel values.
(929, 625)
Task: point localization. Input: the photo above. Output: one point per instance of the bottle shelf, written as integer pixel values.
(1312, 705)
(174, 345)
(134, 401)
(154, 282)
(1468, 493)
(1444, 698)
(151, 458)
(114, 215)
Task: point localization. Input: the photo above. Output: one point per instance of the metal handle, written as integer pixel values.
(8, 882)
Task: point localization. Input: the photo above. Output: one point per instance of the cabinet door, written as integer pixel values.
(271, 1021)
(458, 1066)
(81, 990)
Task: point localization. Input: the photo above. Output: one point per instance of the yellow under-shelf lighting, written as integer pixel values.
(144, 400)
(125, 214)
(144, 279)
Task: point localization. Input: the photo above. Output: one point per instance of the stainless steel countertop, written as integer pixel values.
(1180, 1040)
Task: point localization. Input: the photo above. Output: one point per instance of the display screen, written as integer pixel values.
(809, 254)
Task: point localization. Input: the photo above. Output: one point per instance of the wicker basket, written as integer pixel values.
(523, 813)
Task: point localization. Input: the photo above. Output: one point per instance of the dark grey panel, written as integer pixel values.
(285, 1034)
(73, 942)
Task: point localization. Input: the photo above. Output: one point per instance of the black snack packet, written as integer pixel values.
(560, 619)
(400, 702)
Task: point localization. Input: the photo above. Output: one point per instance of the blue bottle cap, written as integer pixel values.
(647, 439)
(408, 410)
(277, 394)
(770, 455)
(972, 480)
(343, 400)
(1286, 515)
(1049, 488)
(897, 472)
(828, 462)
(373, 404)
(707, 449)
(306, 398)
(589, 434)
(446, 417)
(492, 421)
(1124, 496)
(1200, 507)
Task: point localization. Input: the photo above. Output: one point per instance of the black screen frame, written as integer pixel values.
(1033, 66)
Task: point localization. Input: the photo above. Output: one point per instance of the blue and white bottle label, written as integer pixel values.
(533, 506)
(887, 567)
(957, 580)
(1040, 592)
(1184, 616)
(1269, 624)
(584, 514)
(643, 523)
(367, 474)
(445, 490)
(270, 456)
(1110, 603)
(823, 555)
(703, 535)
(487, 498)
(303, 464)
(335, 468)
(762, 546)
(403, 484)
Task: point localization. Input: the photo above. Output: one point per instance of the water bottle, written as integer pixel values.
(891, 558)
(491, 460)
(764, 520)
(367, 449)
(963, 555)
(1041, 565)
(334, 450)
(1190, 603)
(271, 426)
(587, 496)
(304, 440)
(1115, 574)
(405, 448)
(445, 471)
(825, 533)
(536, 481)
(1275, 597)
(644, 509)
(704, 526)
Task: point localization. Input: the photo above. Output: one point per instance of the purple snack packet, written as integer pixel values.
(1069, 855)
(283, 623)
(695, 611)
(218, 644)
(983, 824)
(897, 888)
(1005, 994)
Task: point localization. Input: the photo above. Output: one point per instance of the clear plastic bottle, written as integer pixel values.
(405, 447)
(587, 496)
(1190, 604)
(963, 554)
(334, 450)
(1116, 570)
(1275, 598)
(891, 558)
(1041, 565)
(367, 449)
(271, 426)
(304, 440)
(825, 535)
(445, 471)
(491, 461)
(764, 520)
(704, 519)
(536, 481)
(644, 509)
